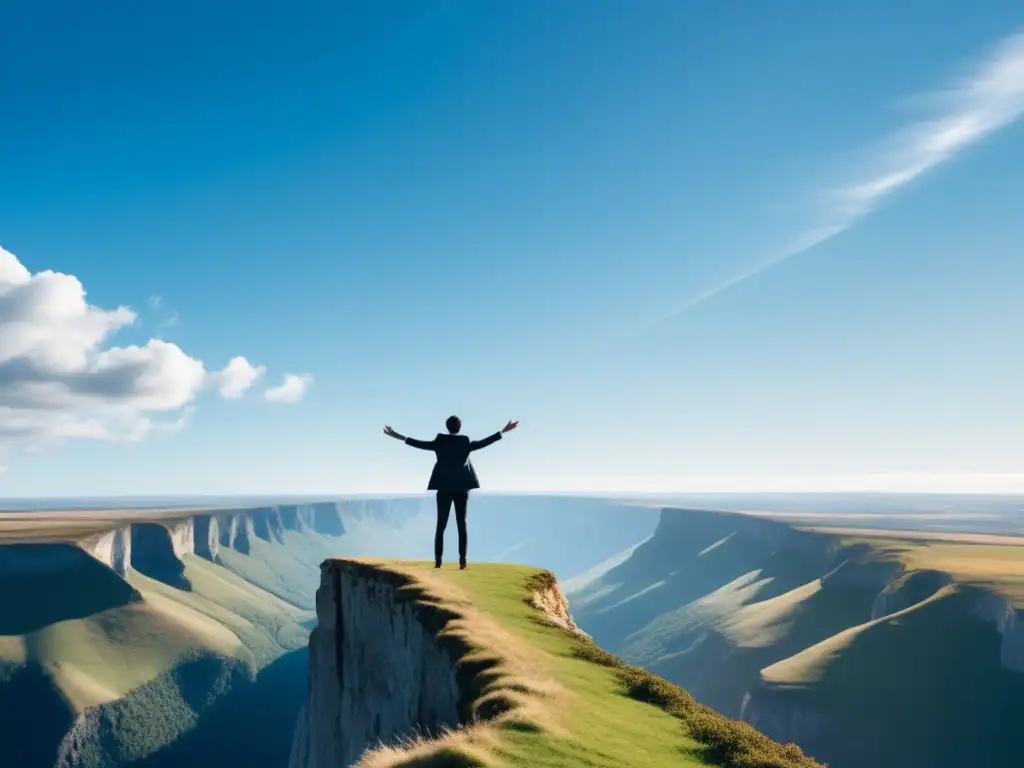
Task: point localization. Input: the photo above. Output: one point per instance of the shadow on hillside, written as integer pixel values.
(251, 726)
(720, 675)
(675, 568)
(925, 689)
(153, 555)
(666, 607)
(42, 584)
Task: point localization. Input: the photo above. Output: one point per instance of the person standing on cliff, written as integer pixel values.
(453, 477)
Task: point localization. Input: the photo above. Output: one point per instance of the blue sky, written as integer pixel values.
(512, 210)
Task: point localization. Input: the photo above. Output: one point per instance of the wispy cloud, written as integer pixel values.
(169, 319)
(989, 97)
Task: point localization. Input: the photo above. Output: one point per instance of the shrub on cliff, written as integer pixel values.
(727, 743)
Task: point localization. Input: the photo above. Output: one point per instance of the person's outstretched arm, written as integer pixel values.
(476, 445)
(426, 445)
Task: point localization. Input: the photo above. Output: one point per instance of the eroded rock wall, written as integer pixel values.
(377, 671)
(113, 548)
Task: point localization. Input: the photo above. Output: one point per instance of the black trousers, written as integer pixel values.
(445, 499)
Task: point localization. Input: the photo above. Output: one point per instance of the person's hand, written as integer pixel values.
(510, 426)
(390, 432)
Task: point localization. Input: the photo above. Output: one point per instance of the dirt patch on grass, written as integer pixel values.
(546, 596)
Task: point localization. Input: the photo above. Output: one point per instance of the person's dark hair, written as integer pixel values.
(454, 424)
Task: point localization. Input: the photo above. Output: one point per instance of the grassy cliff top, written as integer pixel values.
(994, 563)
(542, 694)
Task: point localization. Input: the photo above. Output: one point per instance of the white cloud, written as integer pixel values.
(237, 377)
(291, 390)
(988, 98)
(60, 379)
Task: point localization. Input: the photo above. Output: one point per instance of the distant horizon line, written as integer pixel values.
(196, 497)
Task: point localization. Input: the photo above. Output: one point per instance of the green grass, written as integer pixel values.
(598, 711)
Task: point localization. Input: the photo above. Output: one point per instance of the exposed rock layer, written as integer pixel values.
(378, 673)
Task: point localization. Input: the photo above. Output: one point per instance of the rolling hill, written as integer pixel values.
(864, 647)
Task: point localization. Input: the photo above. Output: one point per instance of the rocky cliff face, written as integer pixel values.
(206, 533)
(677, 524)
(1008, 621)
(377, 671)
(151, 547)
(788, 716)
(552, 603)
(113, 548)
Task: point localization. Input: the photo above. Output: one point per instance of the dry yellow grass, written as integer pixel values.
(920, 536)
(992, 563)
(987, 561)
(764, 623)
(810, 665)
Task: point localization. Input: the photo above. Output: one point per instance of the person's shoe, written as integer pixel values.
(437, 563)
(462, 565)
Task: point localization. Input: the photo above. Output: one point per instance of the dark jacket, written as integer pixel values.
(453, 470)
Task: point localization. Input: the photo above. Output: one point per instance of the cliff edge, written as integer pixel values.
(412, 666)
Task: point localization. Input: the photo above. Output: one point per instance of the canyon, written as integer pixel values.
(157, 637)
(160, 637)
(865, 647)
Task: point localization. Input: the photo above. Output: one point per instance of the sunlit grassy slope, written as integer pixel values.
(102, 656)
(927, 681)
(571, 703)
(138, 659)
(952, 577)
(992, 563)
